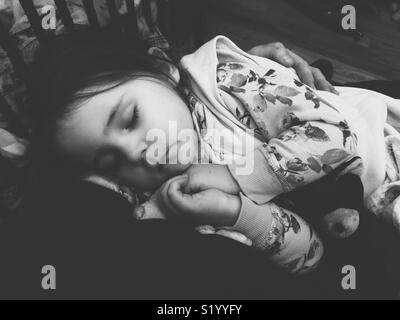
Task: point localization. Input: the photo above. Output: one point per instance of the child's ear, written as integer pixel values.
(165, 63)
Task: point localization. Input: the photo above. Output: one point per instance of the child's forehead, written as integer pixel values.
(100, 101)
(81, 132)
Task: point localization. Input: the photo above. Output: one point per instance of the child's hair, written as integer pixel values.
(67, 65)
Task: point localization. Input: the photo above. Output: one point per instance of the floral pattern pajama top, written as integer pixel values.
(299, 138)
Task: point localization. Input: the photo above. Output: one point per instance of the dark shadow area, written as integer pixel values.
(89, 236)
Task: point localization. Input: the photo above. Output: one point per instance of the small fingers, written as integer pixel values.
(177, 198)
(163, 195)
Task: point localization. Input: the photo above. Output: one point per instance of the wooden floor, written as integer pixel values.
(252, 22)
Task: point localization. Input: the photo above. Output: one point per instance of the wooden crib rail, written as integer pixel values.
(115, 22)
(65, 15)
(169, 13)
(10, 47)
(12, 51)
(33, 17)
(91, 13)
(9, 44)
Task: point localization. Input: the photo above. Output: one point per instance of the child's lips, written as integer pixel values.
(155, 162)
(169, 163)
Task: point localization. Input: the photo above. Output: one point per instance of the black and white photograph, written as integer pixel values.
(196, 156)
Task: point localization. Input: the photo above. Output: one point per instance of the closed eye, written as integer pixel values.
(133, 122)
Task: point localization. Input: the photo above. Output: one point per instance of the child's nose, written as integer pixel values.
(136, 153)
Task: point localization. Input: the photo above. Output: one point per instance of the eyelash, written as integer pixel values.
(134, 119)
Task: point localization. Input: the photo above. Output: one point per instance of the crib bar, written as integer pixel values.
(187, 18)
(164, 18)
(198, 24)
(147, 11)
(91, 13)
(10, 47)
(12, 118)
(175, 22)
(21, 69)
(65, 14)
(33, 17)
(133, 23)
(114, 15)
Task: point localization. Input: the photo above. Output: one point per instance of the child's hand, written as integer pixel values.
(206, 207)
(149, 210)
(208, 176)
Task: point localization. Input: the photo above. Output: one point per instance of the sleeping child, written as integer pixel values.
(215, 140)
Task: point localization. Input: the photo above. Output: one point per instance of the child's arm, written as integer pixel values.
(299, 156)
(305, 136)
(287, 239)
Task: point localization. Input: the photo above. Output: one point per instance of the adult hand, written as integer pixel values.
(311, 76)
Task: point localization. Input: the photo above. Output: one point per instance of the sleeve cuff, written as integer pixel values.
(257, 176)
(254, 222)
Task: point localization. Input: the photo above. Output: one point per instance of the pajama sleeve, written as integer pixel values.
(304, 135)
(287, 239)
(299, 156)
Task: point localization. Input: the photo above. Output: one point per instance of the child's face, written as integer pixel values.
(111, 131)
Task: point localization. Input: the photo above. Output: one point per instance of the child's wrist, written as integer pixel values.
(234, 205)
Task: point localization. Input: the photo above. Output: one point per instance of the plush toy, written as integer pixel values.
(331, 205)
(341, 223)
